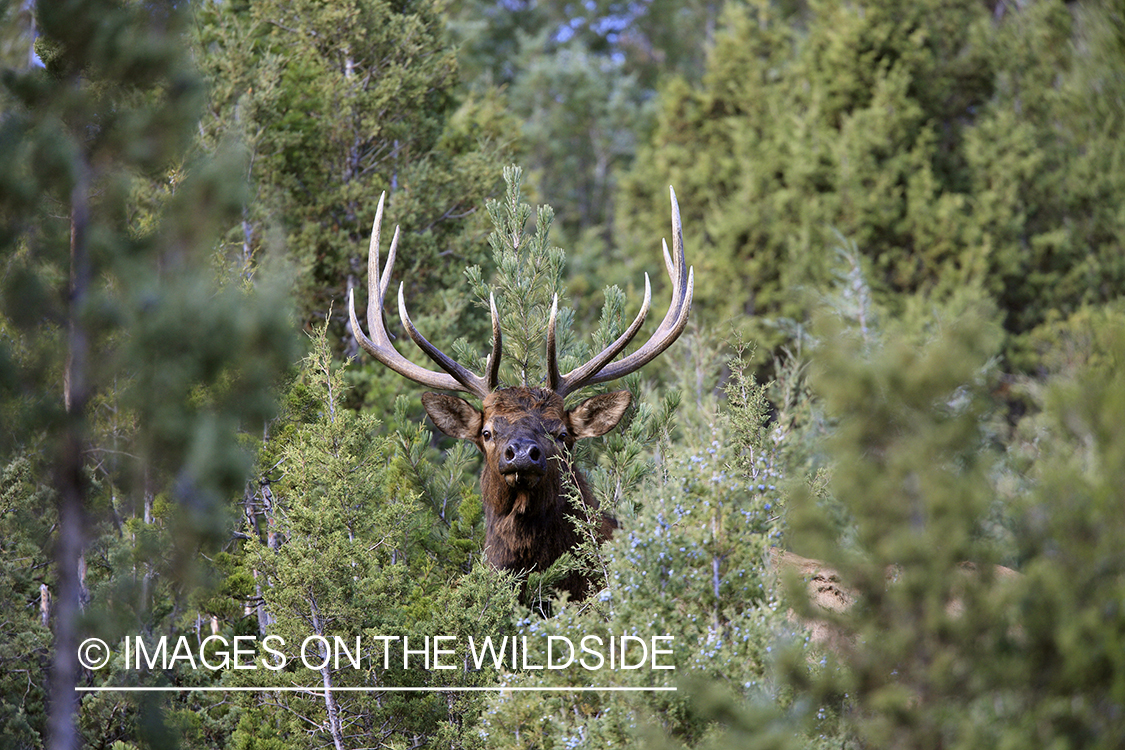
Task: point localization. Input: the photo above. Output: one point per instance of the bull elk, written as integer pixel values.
(525, 433)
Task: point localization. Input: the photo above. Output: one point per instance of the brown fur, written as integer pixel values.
(526, 436)
(829, 595)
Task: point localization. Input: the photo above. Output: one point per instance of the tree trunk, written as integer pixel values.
(71, 481)
(334, 725)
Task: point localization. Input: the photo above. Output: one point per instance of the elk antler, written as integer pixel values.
(455, 377)
(599, 369)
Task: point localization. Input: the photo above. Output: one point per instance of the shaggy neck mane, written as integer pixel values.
(532, 527)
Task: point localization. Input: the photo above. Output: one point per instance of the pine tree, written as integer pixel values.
(942, 647)
(581, 79)
(27, 514)
(336, 104)
(955, 147)
(689, 564)
(350, 555)
(689, 561)
(108, 298)
(335, 525)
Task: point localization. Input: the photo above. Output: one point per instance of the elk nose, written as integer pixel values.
(522, 455)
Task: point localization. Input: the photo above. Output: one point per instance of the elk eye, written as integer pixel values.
(486, 434)
(561, 435)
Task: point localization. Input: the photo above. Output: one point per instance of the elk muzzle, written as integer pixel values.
(522, 463)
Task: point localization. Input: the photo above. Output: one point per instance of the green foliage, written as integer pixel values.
(949, 650)
(950, 173)
(529, 275)
(583, 111)
(500, 41)
(26, 517)
(335, 103)
(350, 550)
(528, 278)
(689, 562)
(1063, 678)
(580, 78)
(128, 369)
(188, 362)
(954, 147)
(1084, 340)
(449, 490)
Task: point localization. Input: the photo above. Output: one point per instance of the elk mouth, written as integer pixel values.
(524, 478)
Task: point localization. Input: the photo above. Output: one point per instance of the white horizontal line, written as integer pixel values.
(243, 689)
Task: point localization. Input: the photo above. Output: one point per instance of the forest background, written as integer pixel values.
(912, 211)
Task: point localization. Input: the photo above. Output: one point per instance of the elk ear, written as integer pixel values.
(454, 416)
(598, 415)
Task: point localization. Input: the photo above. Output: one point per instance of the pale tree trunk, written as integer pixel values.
(45, 605)
(146, 578)
(265, 618)
(335, 727)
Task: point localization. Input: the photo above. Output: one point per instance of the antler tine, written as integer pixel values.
(574, 379)
(385, 277)
(599, 370)
(668, 264)
(374, 289)
(469, 382)
(552, 356)
(377, 282)
(494, 357)
(379, 344)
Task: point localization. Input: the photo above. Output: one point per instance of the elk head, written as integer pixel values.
(526, 433)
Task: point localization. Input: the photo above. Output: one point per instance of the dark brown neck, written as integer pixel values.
(528, 529)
